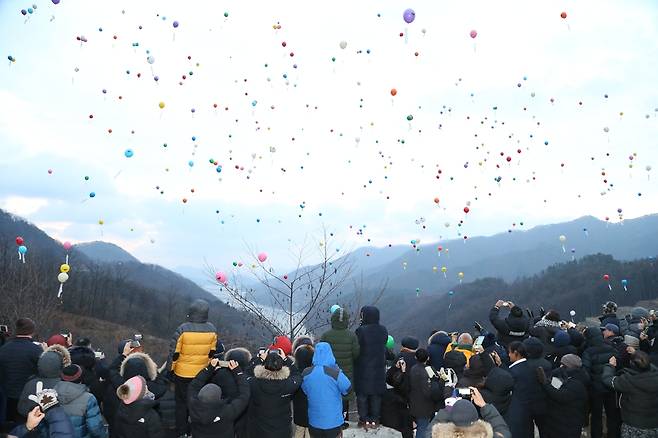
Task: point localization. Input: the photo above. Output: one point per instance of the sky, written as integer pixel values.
(538, 119)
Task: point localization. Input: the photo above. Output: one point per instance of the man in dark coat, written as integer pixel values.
(512, 328)
(83, 355)
(395, 404)
(436, 348)
(303, 360)
(422, 405)
(211, 415)
(566, 389)
(497, 389)
(638, 386)
(345, 346)
(275, 380)
(595, 357)
(370, 371)
(18, 362)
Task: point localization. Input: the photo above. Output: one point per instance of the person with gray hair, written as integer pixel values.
(458, 354)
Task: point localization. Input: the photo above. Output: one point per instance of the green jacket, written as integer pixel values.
(344, 344)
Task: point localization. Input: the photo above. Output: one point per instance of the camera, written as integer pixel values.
(137, 337)
(4, 329)
(465, 393)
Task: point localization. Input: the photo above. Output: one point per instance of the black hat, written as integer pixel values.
(410, 342)
(273, 362)
(84, 342)
(72, 373)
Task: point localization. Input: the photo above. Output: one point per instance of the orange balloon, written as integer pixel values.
(394, 91)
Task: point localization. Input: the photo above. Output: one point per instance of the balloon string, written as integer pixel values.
(625, 290)
(609, 286)
(445, 276)
(59, 294)
(564, 249)
(67, 259)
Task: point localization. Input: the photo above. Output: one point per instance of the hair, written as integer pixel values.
(552, 315)
(640, 360)
(422, 355)
(517, 347)
(465, 338)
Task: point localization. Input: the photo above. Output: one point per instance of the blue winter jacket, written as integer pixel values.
(82, 409)
(325, 384)
(56, 424)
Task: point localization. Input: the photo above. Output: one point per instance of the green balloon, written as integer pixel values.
(390, 342)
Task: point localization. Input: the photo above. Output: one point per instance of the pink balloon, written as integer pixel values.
(221, 277)
(474, 33)
(67, 245)
(262, 257)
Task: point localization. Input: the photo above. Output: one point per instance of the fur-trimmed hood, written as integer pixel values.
(260, 372)
(479, 429)
(240, 355)
(139, 364)
(52, 361)
(62, 351)
(301, 340)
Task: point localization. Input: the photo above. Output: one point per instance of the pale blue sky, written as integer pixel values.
(455, 82)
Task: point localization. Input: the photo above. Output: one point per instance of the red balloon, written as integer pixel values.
(436, 200)
(606, 277)
(440, 248)
(394, 91)
(509, 159)
(19, 241)
(563, 15)
(466, 209)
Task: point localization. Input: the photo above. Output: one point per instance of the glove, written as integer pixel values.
(541, 376)
(449, 376)
(45, 398)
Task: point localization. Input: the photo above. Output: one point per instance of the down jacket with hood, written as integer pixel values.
(512, 328)
(595, 357)
(324, 384)
(18, 362)
(216, 419)
(49, 368)
(303, 360)
(138, 420)
(370, 369)
(344, 343)
(82, 409)
(436, 347)
(269, 413)
(194, 342)
(639, 394)
(498, 389)
(567, 406)
(85, 358)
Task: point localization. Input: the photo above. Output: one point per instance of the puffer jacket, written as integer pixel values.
(18, 362)
(56, 424)
(49, 367)
(567, 406)
(344, 344)
(194, 342)
(498, 389)
(138, 420)
(639, 395)
(509, 329)
(370, 367)
(436, 347)
(82, 409)
(595, 357)
(216, 419)
(419, 394)
(324, 384)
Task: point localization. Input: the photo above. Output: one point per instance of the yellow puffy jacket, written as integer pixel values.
(466, 350)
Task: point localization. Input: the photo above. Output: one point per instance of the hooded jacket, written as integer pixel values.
(269, 413)
(595, 357)
(324, 384)
(82, 409)
(138, 420)
(567, 406)
(49, 368)
(303, 360)
(436, 347)
(370, 369)
(216, 419)
(421, 403)
(85, 358)
(639, 395)
(344, 343)
(490, 423)
(56, 424)
(498, 389)
(224, 378)
(512, 328)
(18, 362)
(194, 342)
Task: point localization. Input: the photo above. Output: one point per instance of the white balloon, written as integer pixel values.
(343, 44)
(63, 277)
(150, 59)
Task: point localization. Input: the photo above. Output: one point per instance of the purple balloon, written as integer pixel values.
(409, 15)
(175, 22)
(55, 2)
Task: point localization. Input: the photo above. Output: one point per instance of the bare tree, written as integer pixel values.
(295, 298)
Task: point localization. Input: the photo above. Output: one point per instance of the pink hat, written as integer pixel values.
(132, 390)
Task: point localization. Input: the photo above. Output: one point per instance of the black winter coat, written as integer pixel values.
(567, 406)
(436, 347)
(303, 360)
(18, 362)
(528, 397)
(509, 329)
(596, 357)
(421, 403)
(215, 420)
(370, 369)
(639, 395)
(85, 358)
(269, 411)
(558, 352)
(138, 420)
(395, 409)
(498, 389)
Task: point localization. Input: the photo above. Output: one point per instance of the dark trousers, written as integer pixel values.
(12, 411)
(598, 402)
(180, 393)
(325, 433)
(346, 409)
(369, 407)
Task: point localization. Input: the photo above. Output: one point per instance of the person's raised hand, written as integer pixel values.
(34, 417)
(630, 350)
(643, 336)
(499, 303)
(232, 365)
(282, 354)
(476, 397)
(263, 355)
(214, 362)
(127, 350)
(496, 358)
(613, 361)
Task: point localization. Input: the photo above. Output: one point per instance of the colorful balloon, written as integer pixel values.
(221, 277)
(563, 15)
(63, 277)
(409, 15)
(473, 34)
(394, 91)
(67, 246)
(128, 153)
(343, 44)
(333, 308)
(390, 342)
(161, 105)
(606, 277)
(19, 240)
(22, 249)
(65, 268)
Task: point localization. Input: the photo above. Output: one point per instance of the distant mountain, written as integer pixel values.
(105, 252)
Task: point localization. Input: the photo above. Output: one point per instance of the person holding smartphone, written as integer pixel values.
(514, 327)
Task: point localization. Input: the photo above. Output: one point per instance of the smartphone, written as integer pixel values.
(99, 355)
(138, 337)
(478, 342)
(4, 329)
(465, 393)
(222, 363)
(135, 344)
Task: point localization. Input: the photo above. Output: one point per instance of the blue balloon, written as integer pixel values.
(451, 293)
(190, 163)
(22, 249)
(92, 194)
(219, 169)
(624, 282)
(334, 308)
(129, 153)
(253, 103)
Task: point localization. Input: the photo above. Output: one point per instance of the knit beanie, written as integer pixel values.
(273, 362)
(57, 340)
(463, 413)
(561, 339)
(25, 327)
(134, 389)
(410, 342)
(639, 312)
(210, 393)
(283, 343)
(631, 341)
(72, 373)
(571, 361)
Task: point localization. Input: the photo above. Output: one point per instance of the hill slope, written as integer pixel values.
(105, 252)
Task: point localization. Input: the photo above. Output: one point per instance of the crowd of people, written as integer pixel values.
(532, 374)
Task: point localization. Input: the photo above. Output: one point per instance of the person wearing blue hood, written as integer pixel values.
(325, 385)
(370, 370)
(436, 347)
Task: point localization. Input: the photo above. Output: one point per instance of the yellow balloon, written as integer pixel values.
(460, 275)
(101, 222)
(161, 105)
(444, 269)
(64, 268)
